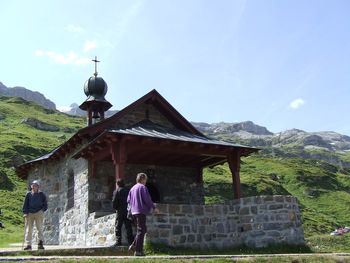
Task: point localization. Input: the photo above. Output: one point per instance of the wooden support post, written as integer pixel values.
(234, 162)
(199, 175)
(119, 156)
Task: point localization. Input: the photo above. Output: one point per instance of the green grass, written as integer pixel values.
(329, 244)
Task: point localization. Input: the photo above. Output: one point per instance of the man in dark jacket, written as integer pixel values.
(120, 196)
(35, 204)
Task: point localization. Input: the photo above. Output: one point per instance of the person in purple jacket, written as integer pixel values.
(141, 204)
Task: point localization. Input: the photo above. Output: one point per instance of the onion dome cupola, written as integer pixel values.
(95, 88)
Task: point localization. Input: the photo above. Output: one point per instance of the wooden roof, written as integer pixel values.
(184, 134)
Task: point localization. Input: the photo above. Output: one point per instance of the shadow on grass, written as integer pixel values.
(159, 249)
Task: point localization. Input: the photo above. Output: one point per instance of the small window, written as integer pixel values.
(70, 191)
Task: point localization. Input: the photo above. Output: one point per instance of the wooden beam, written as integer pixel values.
(234, 161)
(190, 149)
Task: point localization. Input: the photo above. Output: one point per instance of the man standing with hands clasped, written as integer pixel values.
(35, 204)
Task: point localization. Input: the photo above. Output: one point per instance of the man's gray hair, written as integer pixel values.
(140, 177)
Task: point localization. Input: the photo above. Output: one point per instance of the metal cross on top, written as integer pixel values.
(96, 61)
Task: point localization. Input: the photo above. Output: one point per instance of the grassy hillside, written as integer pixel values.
(322, 189)
(19, 142)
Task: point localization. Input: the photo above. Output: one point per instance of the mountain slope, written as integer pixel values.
(20, 142)
(328, 146)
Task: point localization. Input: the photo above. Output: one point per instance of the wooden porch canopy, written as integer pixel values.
(153, 144)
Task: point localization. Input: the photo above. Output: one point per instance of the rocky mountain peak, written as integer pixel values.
(28, 95)
(232, 128)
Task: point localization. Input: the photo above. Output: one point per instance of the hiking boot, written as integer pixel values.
(139, 254)
(40, 245)
(28, 247)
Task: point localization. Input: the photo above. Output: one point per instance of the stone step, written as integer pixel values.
(68, 251)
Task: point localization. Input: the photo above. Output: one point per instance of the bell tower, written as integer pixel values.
(95, 88)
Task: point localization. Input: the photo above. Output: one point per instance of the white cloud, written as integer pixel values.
(63, 108)
(75, 29)
(70, 58)
(295, 104)
(89, 45)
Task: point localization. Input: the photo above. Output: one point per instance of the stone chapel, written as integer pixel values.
(151, 136)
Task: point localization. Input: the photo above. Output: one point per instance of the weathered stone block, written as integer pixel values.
(245, 227)
(247, 219)
(209, 209)
(246, 201)
(279, 198)
(173, 221)
(273, 233)
(267, 198)
(183, 221)
(173, 209)
(182, 239)
(254, 210)
(198, 210)
(177, 230)
(164, 233)
(168, 226)
(162, 219)
(275, 206)
(273, 226)
(257, 233)
(191, 238)
(244, 211)
(220, 228)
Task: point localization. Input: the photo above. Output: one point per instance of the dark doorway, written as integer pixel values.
(153, 191)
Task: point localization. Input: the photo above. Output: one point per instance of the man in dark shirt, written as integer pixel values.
(35, 204)
(121, 206)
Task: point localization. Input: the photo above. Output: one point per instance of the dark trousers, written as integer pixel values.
(141, 231)
(119, 221)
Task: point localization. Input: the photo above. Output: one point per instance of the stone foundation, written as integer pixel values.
(251, 221)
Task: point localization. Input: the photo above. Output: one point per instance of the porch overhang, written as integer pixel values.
(143, 149)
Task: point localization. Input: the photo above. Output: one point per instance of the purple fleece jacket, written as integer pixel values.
(140, 200)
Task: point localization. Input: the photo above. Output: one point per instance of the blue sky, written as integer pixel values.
(281, 64)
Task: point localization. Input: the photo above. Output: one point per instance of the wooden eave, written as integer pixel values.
(148, 150)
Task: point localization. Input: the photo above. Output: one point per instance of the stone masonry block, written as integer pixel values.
(178, 230)
(244, 211)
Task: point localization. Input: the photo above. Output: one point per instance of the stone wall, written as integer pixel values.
(252, 221)
(139, 114)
